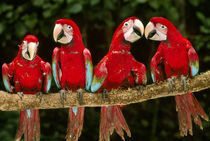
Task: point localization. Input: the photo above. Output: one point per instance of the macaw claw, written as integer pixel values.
(20, 94)
(40, 96)
(105, 94)
(80, 95)
(140, 89)
(171, 83)
(62, 96)
(183, 82)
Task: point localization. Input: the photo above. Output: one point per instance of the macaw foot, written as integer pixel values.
(140, 89)
(62, 96)
(80, 95)
(40, 96)
(20, 94)
(171, 83)
(105, 94)
(183, 82)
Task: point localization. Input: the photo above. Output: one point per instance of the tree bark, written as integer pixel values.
(9, 102)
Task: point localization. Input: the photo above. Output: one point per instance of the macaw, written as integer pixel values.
(118, 68)
(72, 70)
(175, 58)
(27, 74)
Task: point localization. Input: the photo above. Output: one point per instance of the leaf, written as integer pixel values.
(47, 13)
(20, 29)
(38, 3)
(200, 16)
(75, 8)
(141, 1)
(2, 28)
(94, 2)
(154, 4)
(194, 2)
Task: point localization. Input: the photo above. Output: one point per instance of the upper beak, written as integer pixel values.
(32, 47)
(58, 32)
(138, 27)
(150, 30)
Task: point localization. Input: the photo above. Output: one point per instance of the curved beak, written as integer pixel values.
(138, 27)
(150, 30)
(31, 50)
(58, 32)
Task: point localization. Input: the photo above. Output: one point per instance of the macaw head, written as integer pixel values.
(29, 47)
(65, 31)
(160, 29)
(130, 29)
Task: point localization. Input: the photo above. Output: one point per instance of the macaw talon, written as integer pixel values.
(171, 84)
(80, 95)
(40, 96)
(183, 82)
(62, 96)
(20, 94)
(140, 89)
(105, 94)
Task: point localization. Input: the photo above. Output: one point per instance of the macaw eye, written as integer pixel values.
(163, 26)
(126, 24)
(69, 27)
(24, 42)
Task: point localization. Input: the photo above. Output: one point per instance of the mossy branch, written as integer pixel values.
(9, 102)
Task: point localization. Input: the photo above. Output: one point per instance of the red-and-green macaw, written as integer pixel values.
(118, 68)
(175, 57)
(27, 74)
(72, 70)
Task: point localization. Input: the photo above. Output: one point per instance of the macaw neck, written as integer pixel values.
(23, 60)
(173, 37)
(120, 44)
(74, 45)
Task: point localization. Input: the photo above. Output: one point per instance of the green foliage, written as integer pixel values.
(97, 19)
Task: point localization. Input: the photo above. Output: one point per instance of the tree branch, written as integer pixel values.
(9, 102)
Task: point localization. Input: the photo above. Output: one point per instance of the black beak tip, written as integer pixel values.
(151, 34)
(137, 31)
(28, 54)
(61, 34)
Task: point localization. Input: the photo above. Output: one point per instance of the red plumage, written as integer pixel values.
(118, 68)
(28, 77)
(70, 72)
(176, 57)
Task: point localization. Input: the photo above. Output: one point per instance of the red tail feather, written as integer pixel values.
(112, 118)
(29, 125)
(75, 124)
(188, 106)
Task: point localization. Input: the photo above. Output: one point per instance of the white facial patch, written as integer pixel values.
(29, 50)
(133, 29)
(68, 34)
(159, 36)
(131, 36)
(66, 39)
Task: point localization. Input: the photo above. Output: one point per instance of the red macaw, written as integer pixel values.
(175, 57)
(72, 70)
(27, 74)
(116, 69)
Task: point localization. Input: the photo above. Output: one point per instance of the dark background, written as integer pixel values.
(154, 120)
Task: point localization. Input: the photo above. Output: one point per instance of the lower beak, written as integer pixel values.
(151, 34)
(58, 32)
(32, 47)
(138, 28)
(150, 30)
(60, 35)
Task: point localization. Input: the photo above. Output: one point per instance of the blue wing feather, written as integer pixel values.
(7, 84)
(88, 68)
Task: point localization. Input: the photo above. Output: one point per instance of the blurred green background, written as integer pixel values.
(154, 120)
